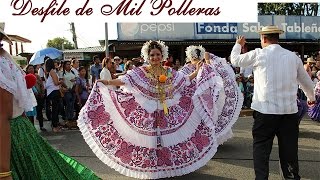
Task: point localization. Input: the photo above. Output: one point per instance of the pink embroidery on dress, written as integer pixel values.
(129, 106)
(98, 117)
(231, 100)
(125, 153)
(200, 140)
(143, 122)
(230, 89)
(185, 102)
(164, 157)
(207, 97)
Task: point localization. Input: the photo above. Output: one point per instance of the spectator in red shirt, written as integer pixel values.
(169, 61)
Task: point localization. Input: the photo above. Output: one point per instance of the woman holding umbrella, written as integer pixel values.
(24, 153)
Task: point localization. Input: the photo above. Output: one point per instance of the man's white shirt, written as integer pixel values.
(277, 73)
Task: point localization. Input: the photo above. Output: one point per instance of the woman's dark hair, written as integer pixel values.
(272, 37)
(30, 65)
(63, 67)
(65, 62)
(154, 45)
(57, 62)
(105, 61)
(49, 65)
(95, 57)
(198, 52)
(83, 68)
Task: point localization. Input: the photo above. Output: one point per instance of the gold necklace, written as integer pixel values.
(163, 82)
(154, 70)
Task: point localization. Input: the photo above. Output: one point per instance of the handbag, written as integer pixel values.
(81, 89)
(62, 90)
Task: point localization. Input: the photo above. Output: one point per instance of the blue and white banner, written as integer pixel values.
(295, 27)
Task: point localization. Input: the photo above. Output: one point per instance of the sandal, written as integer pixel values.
(56, 129)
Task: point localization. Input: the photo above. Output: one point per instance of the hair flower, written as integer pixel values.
(146, 46)
(195, 52)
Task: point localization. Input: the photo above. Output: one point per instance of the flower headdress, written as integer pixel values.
(146, 46)
(191, 52)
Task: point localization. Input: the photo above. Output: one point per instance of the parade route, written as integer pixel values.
(232, 161)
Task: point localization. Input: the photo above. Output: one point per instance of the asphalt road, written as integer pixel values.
(232, 161)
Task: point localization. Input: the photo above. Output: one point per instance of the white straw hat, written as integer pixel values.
(6, 37)
(270, 30)
(310, 60)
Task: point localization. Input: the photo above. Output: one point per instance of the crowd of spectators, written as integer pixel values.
(75, 83)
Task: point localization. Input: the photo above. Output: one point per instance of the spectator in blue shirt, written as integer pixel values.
(95, 69)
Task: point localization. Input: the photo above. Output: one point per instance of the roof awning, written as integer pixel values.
(96, 49)
(17, 38)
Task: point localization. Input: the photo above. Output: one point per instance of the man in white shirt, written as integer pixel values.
(277, 73)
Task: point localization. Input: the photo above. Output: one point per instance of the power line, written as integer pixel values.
(84, 41)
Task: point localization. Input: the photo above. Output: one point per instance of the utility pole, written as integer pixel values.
(106, 43)
(74, 36)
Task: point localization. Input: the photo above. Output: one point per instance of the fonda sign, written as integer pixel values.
(295, 27)
(69, 56)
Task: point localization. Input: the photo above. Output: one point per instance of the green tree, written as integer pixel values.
(299, 9)
(60, 43)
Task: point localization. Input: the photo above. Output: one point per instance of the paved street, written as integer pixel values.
(232, 161)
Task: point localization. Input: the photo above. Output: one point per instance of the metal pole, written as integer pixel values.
(106, 40)
(74, 36)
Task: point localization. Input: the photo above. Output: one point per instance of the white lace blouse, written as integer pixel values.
(12, 80)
